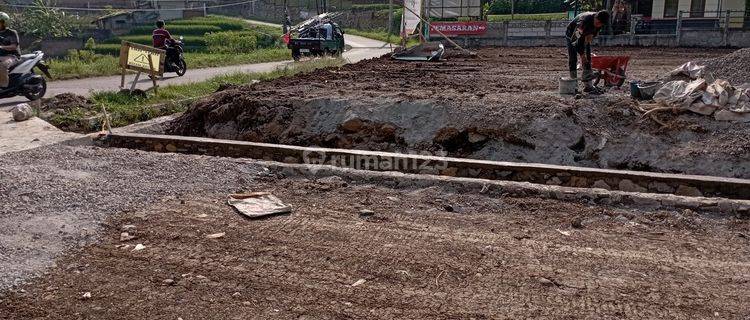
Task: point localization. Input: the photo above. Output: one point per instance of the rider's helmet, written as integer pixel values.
(4, 17)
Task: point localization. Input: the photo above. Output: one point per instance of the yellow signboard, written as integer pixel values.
(139, 58)
(136, 57)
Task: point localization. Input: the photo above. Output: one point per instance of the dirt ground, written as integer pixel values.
(501, 105)
(421, 254)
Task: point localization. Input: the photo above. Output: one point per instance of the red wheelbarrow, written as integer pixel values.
(610, 69)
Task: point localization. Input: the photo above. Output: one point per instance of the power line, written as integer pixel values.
(134, 10)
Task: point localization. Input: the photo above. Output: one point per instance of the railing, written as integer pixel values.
(711, 20)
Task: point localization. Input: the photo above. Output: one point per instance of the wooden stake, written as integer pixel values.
(122, 80)
(152, 74)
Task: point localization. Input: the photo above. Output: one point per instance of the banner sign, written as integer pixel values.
(411, 17)
(136, 57)
(458, 28)
(455, 8)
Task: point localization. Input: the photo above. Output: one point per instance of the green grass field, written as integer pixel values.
(105, 65)
(125, 109)
(536, 16)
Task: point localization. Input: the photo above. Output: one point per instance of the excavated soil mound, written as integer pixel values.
(66, 101)
(499, 105)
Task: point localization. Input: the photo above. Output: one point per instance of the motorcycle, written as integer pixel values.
(22, 79)
(175, 59)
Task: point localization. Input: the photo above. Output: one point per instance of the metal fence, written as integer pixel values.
(693, 21)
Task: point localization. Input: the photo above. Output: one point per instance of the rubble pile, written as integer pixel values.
(704, 94)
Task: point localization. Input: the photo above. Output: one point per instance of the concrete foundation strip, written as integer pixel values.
(577, 177)
(497, 188)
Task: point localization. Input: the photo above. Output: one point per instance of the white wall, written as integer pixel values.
(711, 5)
(657, 11)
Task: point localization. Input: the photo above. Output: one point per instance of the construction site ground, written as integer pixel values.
(500, 105)
(381, 247)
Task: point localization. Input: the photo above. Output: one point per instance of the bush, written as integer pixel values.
(90, 44)
(530, 6)
(223, 24)
(231, 42)
(85, 56)
(189, 41)
(107, 49)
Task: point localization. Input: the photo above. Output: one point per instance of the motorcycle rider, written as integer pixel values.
(160, 36)
(10, 51)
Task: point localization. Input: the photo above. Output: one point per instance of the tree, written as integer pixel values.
(585, 5)
(42, 21)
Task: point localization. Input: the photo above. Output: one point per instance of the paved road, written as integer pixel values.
(362, 48)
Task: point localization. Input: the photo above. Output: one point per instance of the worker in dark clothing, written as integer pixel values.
(579, 34)
(160, 36)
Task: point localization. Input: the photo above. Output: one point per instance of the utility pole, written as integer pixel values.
(390, 18)
(426, 5)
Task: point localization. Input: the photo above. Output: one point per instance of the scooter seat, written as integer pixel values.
(16, 64)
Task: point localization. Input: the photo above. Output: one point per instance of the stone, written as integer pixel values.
(352, 125)
(660, 187)
(688, 191)
(333, 181)
(22, 112)
(394, 199)
(451, 172)
(359, 282)
(476, 137)
(630, 186)
(577, 223)
(579, 182)
(600, 184)
(388, 130)
(128, 227)
(216, 235)
(446, 134)
(139, 247)
(168, 282)
(126, 237)
(546, 282)
(86, 296)
(366, 213)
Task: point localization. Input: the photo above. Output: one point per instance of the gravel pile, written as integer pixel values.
(734, 67)
(53, 198)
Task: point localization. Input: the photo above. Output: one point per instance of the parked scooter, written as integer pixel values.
(22, 79)
(175, 59)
